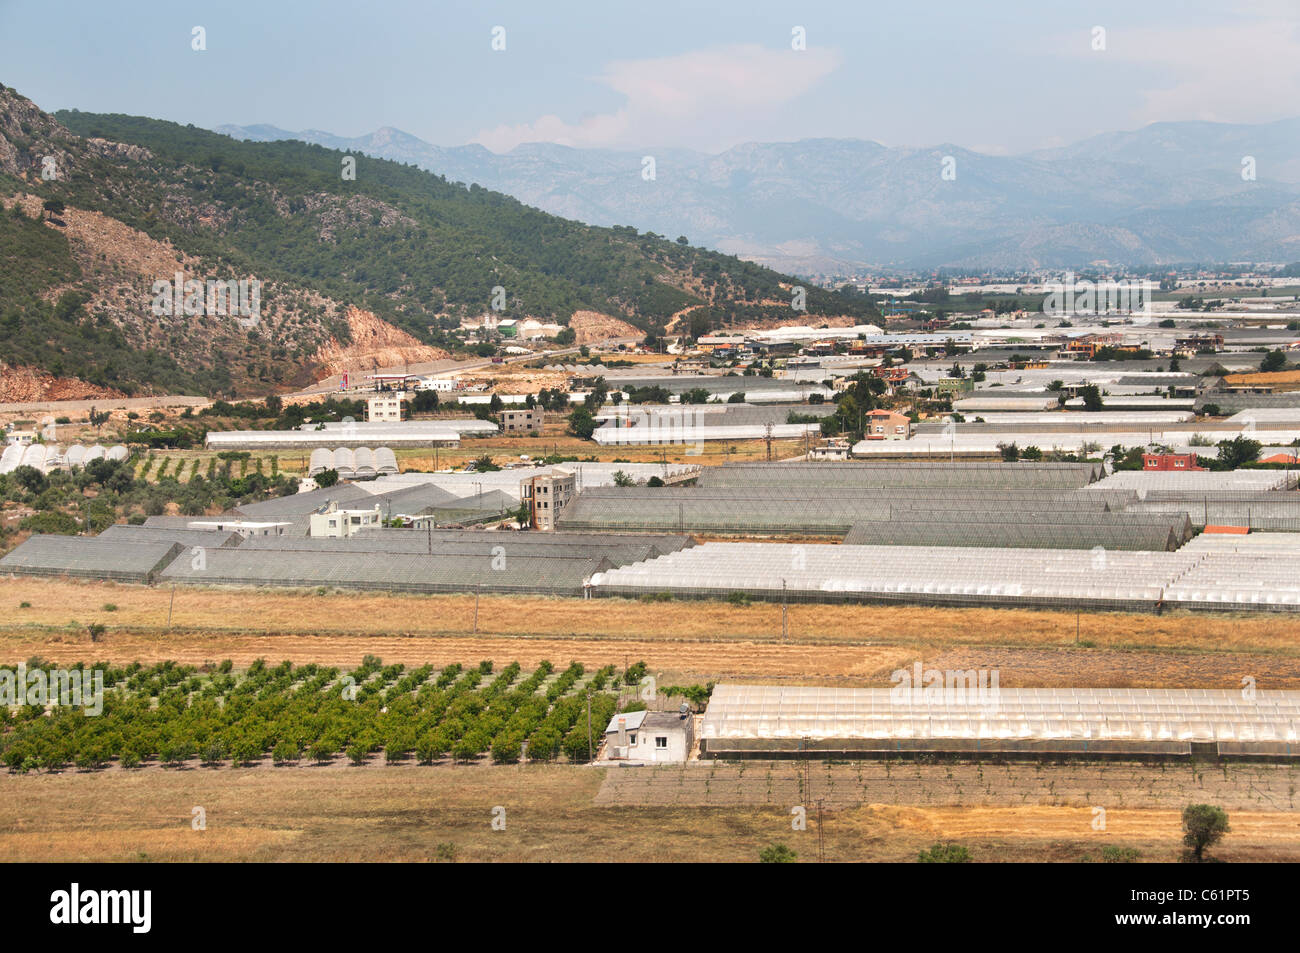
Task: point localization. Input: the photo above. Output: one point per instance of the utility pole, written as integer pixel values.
(591, 755)
(821, 839)
(785, 630)
(477, 589)
(169, 606)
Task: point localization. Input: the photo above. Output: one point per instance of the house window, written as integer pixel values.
(661, 741)
(631, 739)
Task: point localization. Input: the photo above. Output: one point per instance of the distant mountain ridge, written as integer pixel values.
(1164, 193)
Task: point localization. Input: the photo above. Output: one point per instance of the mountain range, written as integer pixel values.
(1169, 192)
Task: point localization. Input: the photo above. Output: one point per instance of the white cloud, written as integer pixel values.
(691, 99)
(1243, 71)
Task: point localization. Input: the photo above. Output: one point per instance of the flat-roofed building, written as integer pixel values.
(336, 523)
(245, 528)
(887, 425)
(522, 420)
(385, 408)
(546, 495)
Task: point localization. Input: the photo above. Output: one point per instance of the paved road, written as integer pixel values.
(103, 403)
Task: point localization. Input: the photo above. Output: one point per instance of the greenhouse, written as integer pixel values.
(90, 557)
(964, 576)
(966, 712)
(618, 550)
(414, 572)
(822, 511)
(126, 533)
(957, 576)
(964, 474)
(1152, 484)
(1028, 530)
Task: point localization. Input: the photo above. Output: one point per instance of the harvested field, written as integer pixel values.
(828, 643)
(552, 813)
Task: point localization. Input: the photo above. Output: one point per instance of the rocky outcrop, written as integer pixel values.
(375, 343)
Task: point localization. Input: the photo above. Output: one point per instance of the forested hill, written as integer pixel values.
(412, 246)
(131, 201)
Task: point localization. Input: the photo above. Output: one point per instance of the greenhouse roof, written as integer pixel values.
(414, 572)
(990, 712)
(90, 556)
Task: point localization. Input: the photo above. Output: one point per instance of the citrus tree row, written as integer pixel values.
(173, 713)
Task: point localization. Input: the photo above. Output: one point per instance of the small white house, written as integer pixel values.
(443, 385)
(653, 736)
(338, 524)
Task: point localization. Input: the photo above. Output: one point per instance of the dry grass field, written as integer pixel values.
(555, 813)
(705, 640)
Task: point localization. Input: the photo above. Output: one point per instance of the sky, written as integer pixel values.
(1001, 77)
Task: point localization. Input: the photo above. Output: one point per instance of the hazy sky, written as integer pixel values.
(696, 74)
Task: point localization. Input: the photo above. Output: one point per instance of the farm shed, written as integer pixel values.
(650, 736)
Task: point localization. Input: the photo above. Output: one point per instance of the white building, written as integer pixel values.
(443, 385)
(20, 438)
(655, 736)
(386, 408)
(245, 528)
(336, 523)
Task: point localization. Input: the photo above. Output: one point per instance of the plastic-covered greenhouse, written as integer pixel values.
(959, 474)
(826, 511)
(961, 576)
(1028, 530)
(617, 550)
(966, 711)
(350, 464)
(126, 533)
(91, 557)
(414, 572)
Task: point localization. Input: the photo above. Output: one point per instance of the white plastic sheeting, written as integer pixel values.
(351, 464)
(989, 712)
(1189, 578)
(1196, 481)
(47, 457)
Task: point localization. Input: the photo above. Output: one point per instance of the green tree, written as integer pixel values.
(581, 423)
(1203, 826)
(1273, 361)
(945, 854)
(1237, 451)
(776, 854)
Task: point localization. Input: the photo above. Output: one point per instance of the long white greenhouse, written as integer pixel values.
(966, 576)
(951, 713)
